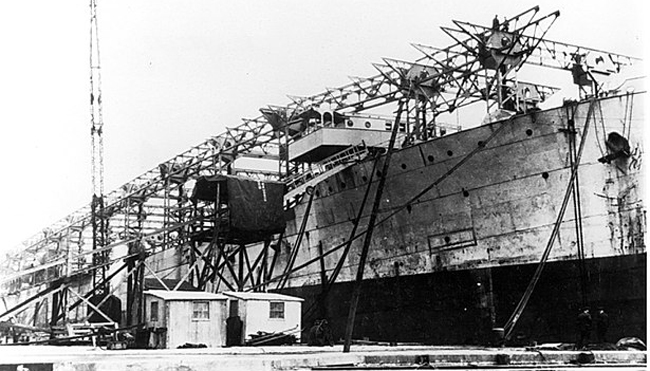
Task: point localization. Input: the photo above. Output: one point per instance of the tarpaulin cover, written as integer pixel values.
(255, 206)
(205, 189)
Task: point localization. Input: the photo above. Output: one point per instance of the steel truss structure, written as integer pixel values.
(154, 214)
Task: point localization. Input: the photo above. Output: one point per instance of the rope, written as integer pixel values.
(512, 321)
(602, 122)
(577, 207)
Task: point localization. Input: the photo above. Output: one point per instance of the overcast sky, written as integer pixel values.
(176, 72)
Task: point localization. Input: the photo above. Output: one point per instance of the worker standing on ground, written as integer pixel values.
(320, 334)
(602, 324)
(584, 328)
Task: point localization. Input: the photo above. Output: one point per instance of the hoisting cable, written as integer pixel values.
(512, 321)
(628, 113)
(577, 204)
(577, 209)
(604, 152)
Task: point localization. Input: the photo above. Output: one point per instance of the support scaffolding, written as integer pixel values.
(156, 214)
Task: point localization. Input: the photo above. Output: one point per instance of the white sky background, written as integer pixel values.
(176, 72)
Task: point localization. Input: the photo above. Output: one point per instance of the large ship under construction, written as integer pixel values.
(365, 196)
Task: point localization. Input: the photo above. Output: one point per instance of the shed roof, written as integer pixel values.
(154, 284)
(185, 295)
(266, 296)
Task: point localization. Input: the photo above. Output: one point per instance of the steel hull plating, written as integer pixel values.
(454, 307)
(451, 264)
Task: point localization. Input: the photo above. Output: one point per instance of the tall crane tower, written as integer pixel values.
(98, 220)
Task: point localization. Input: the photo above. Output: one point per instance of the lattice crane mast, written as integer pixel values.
(98, 221)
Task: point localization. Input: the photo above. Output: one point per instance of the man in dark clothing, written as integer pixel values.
(495, 23)
(234, 326)
(504, 25)
(602, 324)
(320, 334)
(584, 327)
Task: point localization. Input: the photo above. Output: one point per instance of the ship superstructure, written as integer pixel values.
(513, 221)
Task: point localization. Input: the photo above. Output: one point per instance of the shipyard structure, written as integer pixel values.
(383, 216)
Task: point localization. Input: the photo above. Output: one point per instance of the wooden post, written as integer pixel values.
(228, 264)
(264, 268)
(324, 283)
(56, 308)
(366, 243)
(298, 242)
(240, 279)
(323, 275)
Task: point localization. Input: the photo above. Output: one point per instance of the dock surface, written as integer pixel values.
(78, 358)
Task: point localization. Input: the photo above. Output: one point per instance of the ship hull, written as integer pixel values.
(447, 266)
(463, 223)
(462, 307)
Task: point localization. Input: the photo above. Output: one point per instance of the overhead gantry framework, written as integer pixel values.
(153, 213)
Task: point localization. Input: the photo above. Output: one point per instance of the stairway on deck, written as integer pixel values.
(317, 172)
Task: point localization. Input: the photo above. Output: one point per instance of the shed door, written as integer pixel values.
(234, 325)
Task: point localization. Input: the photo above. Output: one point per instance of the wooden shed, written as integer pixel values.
(175, 318)
(265, 312)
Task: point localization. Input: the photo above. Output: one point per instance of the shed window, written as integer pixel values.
(277, 309)
(200, 310)
(153, 315)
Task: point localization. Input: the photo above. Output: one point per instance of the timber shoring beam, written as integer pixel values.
(91, 292)
(271, 269)
(251, 268)
(296, 247)
(371, 224)
(328, 283)
(261, 273)
(48, 291)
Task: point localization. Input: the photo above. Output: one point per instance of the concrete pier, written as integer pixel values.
(79, 358)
